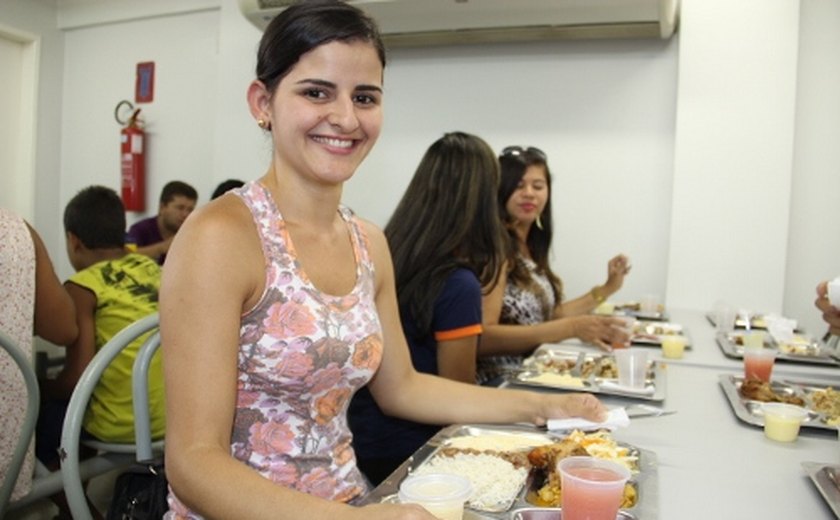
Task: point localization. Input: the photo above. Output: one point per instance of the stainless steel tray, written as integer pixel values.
(750, 411)
(555, 513)
(649, 333)
(634, 309)
(757, 321)
(825, 477)
(655, 389)
(814, 353)
(645, 481)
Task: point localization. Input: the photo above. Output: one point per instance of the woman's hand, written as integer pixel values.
(831, 314)
(586, 406)
(601, 331)
(617, 269)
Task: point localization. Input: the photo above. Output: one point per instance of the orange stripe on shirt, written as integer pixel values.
(463, 332)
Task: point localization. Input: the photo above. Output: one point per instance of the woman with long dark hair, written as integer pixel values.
(530, 293)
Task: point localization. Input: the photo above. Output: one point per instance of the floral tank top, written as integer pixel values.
(302, 356)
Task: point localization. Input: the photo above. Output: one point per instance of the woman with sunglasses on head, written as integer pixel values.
(527, 307)
(278, 303)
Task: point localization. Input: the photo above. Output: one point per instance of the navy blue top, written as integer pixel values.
(457, 314)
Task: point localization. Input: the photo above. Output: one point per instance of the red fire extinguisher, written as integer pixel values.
(133, 161)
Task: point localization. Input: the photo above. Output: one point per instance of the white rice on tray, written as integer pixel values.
(494, 480)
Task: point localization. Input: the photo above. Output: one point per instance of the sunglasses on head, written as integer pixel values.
(517, 151)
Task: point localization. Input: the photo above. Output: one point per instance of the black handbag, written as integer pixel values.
(140, 493)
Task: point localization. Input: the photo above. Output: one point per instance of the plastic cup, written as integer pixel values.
(649, 304)
(758, 363)
(632, 367)
(591, 488)
(725, 317)
(441, 494)
(605, 309)
(753, 339)
(624, 324)
(673, 346)
(782, 421)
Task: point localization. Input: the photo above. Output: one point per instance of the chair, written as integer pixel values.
(30, 419)
(72, 473)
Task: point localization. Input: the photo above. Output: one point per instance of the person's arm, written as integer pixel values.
(617, 269)
(401, 391)
(456, 359)
(55, 314)
(510, 339)
(830, 313)
(81, 351)
(155, 250)
(214, 272)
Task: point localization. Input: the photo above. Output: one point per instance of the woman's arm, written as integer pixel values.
(214, 272)
(81, 350)
(55, 314)
(617, 268)
(401, 391)
(456, 359)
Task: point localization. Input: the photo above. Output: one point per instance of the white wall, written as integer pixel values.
(701, 157)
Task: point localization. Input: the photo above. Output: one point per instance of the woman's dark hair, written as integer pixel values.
(96, 215)
(306, 25)
(513, 167)
(446, 219)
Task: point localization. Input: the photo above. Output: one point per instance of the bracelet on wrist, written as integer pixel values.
(597, 294)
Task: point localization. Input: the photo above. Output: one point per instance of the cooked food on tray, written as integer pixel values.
(827, 402)
(756, 390)
(598, 444)
(596, 366)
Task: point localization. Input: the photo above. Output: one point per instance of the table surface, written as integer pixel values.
(711, 464)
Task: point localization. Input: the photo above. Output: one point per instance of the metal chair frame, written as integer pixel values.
(29, 421)
(72, 473)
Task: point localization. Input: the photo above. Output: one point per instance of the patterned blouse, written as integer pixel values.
(17, 312)
(302, 355)
(520, 306)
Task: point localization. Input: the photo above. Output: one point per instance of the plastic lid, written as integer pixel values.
(788, 411)
(435, 487)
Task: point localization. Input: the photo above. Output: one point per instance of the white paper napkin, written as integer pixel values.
(780, 328)
(616, 418)
(645, 390)
(834, 292)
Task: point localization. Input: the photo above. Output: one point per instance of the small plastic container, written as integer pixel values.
(441, 494)
(632, 367)
(673, 346)
(782, 421)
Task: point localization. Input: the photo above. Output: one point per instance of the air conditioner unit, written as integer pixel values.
(449, 22)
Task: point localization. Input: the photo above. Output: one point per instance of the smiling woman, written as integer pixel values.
(285, 300)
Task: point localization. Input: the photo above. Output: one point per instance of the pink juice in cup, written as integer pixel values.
(592, 489)
(758, 364)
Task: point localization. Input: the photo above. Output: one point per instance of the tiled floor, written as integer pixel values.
(99, 490)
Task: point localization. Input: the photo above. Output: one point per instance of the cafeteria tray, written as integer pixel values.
(826, 477)
(810, 351)
(634, 309)
(649, 333)
(757, 321)
(536, 365)
(645, 480)
(750, 411)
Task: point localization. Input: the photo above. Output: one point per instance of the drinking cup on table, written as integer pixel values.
(441, 494)
(725, 317)
(673, 346)
(758, 363)
(649, 304)
(753, 339)
(625, 324)
(782, 421)
(591, 488)
(632, 367)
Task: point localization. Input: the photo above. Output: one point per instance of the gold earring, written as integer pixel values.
(262, 123)
(539, 223)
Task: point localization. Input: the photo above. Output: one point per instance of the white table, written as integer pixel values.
(711, 464)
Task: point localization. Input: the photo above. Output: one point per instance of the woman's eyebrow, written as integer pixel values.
(331, 85)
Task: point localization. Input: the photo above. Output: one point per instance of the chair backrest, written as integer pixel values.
(71, 432)
(31, 417)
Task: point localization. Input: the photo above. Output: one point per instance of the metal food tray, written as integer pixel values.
(645, 481)
(819, 355)
(826, 477)
(757, 321)
(656, 380)
(750, 411)
(634, 309)
(645, 333)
